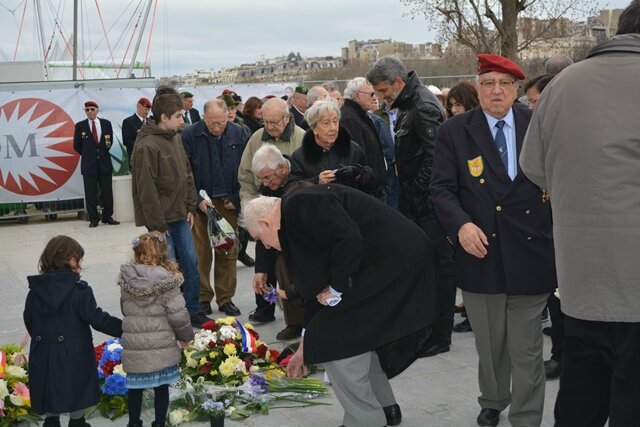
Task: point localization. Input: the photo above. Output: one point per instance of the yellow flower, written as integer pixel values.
(213, 354)
(227, 369)
(230, 349)
(203, 360)
(16, 372)
(213, 373)
(249, 326)
(273, 374)
(191, 363)
(227, 320)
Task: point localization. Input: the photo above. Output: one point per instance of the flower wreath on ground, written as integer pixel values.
(226, 368)
(113, 389)
(15, 399)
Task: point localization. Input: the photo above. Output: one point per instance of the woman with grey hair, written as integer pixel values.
(328, 154)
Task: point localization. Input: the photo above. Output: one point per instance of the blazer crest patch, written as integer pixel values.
(476, 167)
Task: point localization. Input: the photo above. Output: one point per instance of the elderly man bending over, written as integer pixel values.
(348, 255)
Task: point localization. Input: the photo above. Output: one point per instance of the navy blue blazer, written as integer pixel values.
(94, 158)
(470, 184)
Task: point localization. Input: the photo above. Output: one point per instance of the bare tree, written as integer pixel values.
(493, 25)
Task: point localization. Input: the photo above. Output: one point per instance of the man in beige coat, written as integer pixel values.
(583, 146)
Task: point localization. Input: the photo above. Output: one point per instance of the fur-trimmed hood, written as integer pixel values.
(145, 282)
(313, 152)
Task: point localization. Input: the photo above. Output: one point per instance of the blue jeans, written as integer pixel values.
(182, 249)
(393, 189)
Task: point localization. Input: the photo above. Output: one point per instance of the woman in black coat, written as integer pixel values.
(59, 312)
(328, 154)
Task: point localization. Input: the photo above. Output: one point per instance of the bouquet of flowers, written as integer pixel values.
(15, 400)
(226, 362)
(221, 233)
(113, 396)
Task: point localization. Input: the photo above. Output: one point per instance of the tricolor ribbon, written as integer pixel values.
(248, 340)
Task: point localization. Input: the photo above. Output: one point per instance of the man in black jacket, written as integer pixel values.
(132, 124)
(365, 315)
(416, 128)
(359, 99)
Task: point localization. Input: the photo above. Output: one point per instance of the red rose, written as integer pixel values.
(209, 325)
(261, 351)
(205, 369)
(284, 362)
(212, 344)
(107, 367)
(274, 354)
(248, 363)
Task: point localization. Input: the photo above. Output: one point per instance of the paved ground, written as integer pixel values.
(440, 391)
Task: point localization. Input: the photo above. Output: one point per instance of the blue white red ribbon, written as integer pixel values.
(248, 340)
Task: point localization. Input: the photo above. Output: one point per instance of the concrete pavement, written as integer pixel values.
(440, 391)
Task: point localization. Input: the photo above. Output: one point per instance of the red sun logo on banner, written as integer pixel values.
(36, 147)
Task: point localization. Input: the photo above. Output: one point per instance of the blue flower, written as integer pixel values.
(258, 384)
(115, 385)
(271, 296)
(214, 407)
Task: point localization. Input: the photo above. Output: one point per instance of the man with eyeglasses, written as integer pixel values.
(416, 127)
(214, 148)
(500, 224)
(92, 139)
(359, 100)
(281, 131)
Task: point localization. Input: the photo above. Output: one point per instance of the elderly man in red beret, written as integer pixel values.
(132, 124)
(92, 139)
(500, 224)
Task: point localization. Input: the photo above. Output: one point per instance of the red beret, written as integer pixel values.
(90, 104)
(269, 97)
(488, 62)
(229, 91)
(144, 102)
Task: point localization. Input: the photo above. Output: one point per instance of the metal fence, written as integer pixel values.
(21, 212)
(440, 81)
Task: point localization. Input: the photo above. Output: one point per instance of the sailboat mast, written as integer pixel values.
(42, 38)
(75, 40)
(135, 51)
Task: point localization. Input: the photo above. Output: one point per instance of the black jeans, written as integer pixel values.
(600, 376)
(557, 327)
(161, 403)
(445, 288)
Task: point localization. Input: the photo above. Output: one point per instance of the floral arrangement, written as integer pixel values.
(226, 368)
(223, 352)
(113, 396)
(15, 400)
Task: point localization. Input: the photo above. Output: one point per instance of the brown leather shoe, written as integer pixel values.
(289, 333)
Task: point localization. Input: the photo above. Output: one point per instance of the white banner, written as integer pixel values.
(37, 160)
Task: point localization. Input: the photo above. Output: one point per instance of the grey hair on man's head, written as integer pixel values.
(557, 63)
(316, 93)
(276, 103)
(317, 110)
(330, 86)
(353, 86)
(215, 102)
(256, 209)
(268, 156)
(387, 69)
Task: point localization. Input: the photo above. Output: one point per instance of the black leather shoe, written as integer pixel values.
(393, 414)
(110, 221)
(552, 369)
(230, 309)
(205, 307)
(198, 319)
(459, 308)
(463, 326)
(244, 258)
(80, 422)
(51, 422)
(488, 417)
(93, 224)
(289, 333)
(261, 317)
(434, 349)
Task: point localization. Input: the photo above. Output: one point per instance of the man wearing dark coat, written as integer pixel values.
(416, 129)
(361, 268)
(92, 139)
(132, 124)
(191, 115)
(500, 224)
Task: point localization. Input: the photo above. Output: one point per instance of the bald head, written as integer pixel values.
(276, 105)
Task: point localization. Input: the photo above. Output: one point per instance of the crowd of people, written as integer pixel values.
(369, 208)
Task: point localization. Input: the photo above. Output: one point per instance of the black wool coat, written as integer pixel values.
(380, 261)
(59, 312)
(470, 184)
(130, 127)
(94, 158)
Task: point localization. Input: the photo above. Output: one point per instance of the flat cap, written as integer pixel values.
(488, 62)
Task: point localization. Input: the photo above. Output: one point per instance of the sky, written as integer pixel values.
(204, 34)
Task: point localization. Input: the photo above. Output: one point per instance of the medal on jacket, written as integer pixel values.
(545, 196)
(476, 167)
(107, 140)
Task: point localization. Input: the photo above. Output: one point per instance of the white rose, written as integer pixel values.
(114, 346)
(4, 391)
(16, 372)
(118, 369)
(16, 400)
(227, 332)
(177, 416)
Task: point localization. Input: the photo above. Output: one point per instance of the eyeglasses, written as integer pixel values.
(214, 124)
(268, 178)
(504, 84)
(371, 94)
(274, 122)
(90, 109)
